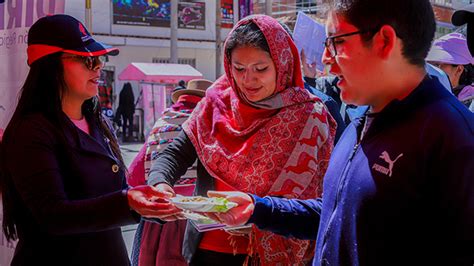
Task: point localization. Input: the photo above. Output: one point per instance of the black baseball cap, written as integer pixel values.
(462, 16)
(63, 33)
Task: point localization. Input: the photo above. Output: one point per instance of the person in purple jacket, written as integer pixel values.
(399, 188)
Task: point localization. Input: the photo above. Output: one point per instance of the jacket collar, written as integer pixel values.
(428, 91)
(96, 142)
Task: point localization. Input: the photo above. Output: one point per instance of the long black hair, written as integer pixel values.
(41, 93)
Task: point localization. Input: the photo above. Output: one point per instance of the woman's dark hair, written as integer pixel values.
(41, 94)
(248, 34)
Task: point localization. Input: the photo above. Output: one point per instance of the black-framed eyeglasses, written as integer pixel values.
(91, 62)
(330, 43)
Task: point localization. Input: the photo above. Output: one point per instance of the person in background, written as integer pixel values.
(451, 54)
(125, 111)
(310, 70)
(259, 131)
(399, 188)
(181, 86)
(334, 108)
(63, 183)
(157, 244)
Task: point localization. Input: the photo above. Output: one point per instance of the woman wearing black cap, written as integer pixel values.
(64, 190)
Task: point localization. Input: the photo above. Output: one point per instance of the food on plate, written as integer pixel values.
(203, 204)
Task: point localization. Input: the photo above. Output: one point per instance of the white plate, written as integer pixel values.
(203, 204)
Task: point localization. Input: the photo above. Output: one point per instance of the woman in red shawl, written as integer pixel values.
(257, 131)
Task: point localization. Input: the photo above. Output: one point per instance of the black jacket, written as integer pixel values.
(403, 195)
(66, 195)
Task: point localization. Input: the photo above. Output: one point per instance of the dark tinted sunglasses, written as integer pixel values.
(91, 62)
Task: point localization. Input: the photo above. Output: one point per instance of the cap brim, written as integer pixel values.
(440, 55)
(176, 94)
(460, 17)
(463, 15)
(95, 49)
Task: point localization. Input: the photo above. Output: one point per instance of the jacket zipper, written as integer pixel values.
(340, 187)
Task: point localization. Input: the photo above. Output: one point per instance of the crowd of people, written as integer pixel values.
(370, 165)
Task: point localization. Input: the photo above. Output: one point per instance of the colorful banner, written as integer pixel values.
(192, 15)
(154, 13)
(227, 7)
(157, 13)
(245, 8)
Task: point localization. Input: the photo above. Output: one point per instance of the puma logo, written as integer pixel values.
(386, 157)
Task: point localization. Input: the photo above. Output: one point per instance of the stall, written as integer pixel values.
(156, 81)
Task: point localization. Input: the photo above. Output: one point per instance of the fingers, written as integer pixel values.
(165, 188)
(156, 209)
(149, 202)
(240, 231)
(218, 194)
(212, 216)
(163, 193)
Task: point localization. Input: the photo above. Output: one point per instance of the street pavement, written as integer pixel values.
(129, 151)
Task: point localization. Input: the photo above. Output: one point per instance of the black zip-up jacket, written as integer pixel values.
(404, 195)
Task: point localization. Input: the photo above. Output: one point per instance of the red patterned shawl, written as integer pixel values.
(279, 146)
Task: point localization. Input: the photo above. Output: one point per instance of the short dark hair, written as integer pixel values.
(413, 21)
(182, 83)
(247, 34)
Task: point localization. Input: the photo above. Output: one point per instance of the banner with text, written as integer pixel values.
(227, 13)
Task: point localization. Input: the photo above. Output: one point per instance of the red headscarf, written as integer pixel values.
(278, 146)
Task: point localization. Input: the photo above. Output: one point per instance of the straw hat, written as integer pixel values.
(196, 87)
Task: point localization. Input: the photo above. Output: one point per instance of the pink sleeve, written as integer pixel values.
(136, 170)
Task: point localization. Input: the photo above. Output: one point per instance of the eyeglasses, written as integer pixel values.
(91, 62)
(330, 42)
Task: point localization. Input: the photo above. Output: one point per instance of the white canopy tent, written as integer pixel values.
(156, 84)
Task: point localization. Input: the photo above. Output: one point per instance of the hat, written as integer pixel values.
(463, 16)
(196, 87)
(450, 49)
(63, 33)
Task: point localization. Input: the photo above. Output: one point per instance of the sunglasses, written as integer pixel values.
(91, 62)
